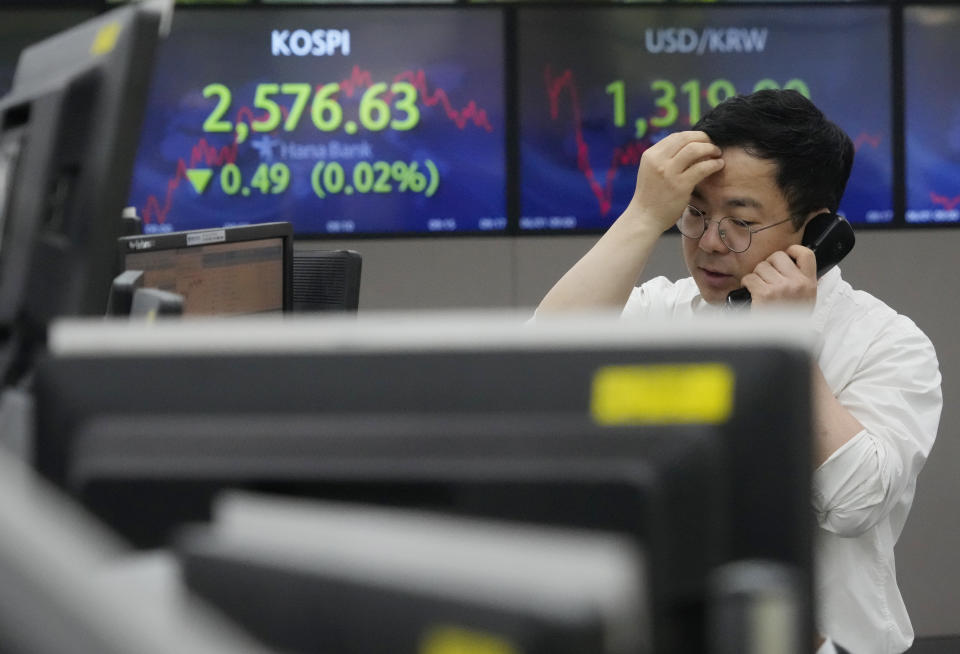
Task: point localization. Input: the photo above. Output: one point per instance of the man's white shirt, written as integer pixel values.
(884, 371)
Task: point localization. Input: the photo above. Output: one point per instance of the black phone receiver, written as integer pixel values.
(829, 236)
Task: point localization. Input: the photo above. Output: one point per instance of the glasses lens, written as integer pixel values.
(735, 235)
(692, 223)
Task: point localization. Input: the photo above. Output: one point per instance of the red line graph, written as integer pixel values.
(627, 155)
(867, 139)
(944, 201)
(202, 151)
(471, 112)
(460, 117)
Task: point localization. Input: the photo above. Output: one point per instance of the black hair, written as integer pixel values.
(813, 156)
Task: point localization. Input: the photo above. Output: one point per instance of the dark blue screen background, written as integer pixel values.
(932, 114)
(571, 56)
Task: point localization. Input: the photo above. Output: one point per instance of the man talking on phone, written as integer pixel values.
(741, 186)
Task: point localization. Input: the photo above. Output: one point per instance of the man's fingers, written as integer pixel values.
(670, 170)
(796, 259)
(767, 272)
(671, 144)
(695, 151)
(782, 262)
(786, 276)
(752, 282)
(805, 259)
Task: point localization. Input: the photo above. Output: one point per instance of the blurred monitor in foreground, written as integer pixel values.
(68, 585)
(68, 134)
(447, 582)
(661, 433)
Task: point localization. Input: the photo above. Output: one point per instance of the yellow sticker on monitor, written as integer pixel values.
(683, 393)
(448, 639)
(106, 39)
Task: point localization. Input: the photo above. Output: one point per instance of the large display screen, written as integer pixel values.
(932, 114)
(598, 86)
(339, 120)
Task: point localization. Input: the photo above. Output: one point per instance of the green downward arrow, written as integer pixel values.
(199, 178)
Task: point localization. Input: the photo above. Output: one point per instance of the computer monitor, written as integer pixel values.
(360, 579)
(664, 432)
(598, 85)
(326, 280)
(68, 135)
(931, 114)
(68, 585)
(227, 271)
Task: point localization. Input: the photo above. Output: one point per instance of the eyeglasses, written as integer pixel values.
(735, 234)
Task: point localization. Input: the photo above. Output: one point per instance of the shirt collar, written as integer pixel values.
(701, 306)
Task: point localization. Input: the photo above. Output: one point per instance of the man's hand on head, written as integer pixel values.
(668, 172)
(785, 277)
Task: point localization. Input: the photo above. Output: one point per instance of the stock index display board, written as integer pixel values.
(600, 85)
(339, 120)
(932, 114)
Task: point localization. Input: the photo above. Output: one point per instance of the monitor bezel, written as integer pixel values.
(329, 401)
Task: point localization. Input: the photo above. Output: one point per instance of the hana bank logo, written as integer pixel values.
(314, 43)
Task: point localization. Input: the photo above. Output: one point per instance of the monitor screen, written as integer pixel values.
(932, 114)
(338, 120)
(229, 271)
(598, 86)
(658, 433)
(69, 585)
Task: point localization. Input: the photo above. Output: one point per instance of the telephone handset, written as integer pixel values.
(829, 236)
